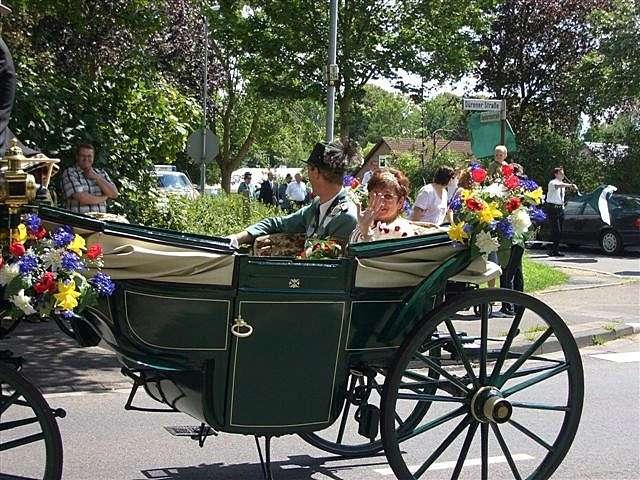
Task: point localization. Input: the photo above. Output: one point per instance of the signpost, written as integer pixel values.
(496, 107)
(203, 146)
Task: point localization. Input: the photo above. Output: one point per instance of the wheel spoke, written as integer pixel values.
(484, 333)
(530, 434)
(433, 424)
(484, 451)
(464, 451)
(443, 446)
(399, 420)
(423, 397)
(540, 378)
(345, 413)
(10, 401)
(524, 357)
(442, 372)
(530, 371)
(538, 406)
(505, 451)
(460, 351)
(513, 332)
(21, 441)
(17, 423)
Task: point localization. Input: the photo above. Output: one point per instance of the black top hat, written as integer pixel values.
(4, 9)
(335, 156)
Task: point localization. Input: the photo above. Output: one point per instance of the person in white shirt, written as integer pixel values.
(297, 191)
(431, 205)
(554, 204)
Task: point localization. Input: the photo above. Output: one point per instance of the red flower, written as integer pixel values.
(40, 234)
(512, 204)
(479, 175)
(1, 262)
(46, 284)
(474, 205)
(94, 251)
(355, 183)
(507, 170)
(512, 182)
(17, 249)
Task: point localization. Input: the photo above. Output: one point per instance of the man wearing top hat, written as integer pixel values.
(331, 214)
(7, 87)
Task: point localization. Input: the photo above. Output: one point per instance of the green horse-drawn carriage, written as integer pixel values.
(378, 350)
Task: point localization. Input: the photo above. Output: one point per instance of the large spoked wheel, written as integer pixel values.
(30, 443)
(509, 398)
(361, 413)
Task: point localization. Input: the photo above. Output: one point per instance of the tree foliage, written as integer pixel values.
(375, 39)
(531, 57)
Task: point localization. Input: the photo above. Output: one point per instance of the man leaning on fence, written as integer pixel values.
(86, 189)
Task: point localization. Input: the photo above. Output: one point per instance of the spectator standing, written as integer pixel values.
(554, 205)
(7, 87)
(87, 189)
(431, 203)
(269, 191)
(283, 200)
(499, 159)
(246, 189)
(512, 276)
(297, 192)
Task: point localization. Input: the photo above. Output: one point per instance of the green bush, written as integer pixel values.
(218, 215)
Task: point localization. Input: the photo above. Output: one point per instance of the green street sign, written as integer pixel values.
(485, 135)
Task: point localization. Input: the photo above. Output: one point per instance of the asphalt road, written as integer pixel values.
(103, 442)
(627, 264)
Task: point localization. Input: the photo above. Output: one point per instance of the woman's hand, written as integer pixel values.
(367, 217)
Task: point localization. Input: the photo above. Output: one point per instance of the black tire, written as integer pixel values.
(467, 391)
(21, 401)
(349, 443)
(611, 242)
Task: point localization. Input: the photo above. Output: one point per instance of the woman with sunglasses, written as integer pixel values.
(388, 189)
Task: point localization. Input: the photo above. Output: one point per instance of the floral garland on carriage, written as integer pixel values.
(497, 212)
(45, 273)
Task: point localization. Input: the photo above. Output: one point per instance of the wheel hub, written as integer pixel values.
(489, 406)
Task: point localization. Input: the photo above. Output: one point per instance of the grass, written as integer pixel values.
(532, 333)
(610, 327)
(597, 340)
(541, 277)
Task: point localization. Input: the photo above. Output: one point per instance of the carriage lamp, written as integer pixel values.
(17, 188)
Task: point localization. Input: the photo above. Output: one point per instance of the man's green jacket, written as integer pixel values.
(339, 221)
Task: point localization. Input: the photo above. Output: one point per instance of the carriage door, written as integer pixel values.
(287, 361)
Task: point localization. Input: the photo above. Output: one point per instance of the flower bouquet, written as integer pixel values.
(46, 273)
(495, 213)
(357, 192)
(321, 249)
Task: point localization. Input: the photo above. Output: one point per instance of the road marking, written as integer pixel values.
(473, 462)
(624, 357)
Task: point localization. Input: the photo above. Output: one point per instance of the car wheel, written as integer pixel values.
(610, 242)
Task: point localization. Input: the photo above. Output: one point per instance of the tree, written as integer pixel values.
(375, 39)
(531, 56)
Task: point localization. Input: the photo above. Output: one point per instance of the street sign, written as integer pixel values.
(486, 117)
(482, 104)
(198, 139)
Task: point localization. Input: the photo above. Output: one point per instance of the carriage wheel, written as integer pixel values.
(510, 393)
(28, 430)
(343, 438)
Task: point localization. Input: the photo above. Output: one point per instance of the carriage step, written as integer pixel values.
(192, 431)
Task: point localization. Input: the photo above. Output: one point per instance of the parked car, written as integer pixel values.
(584, 226)
(173, 182)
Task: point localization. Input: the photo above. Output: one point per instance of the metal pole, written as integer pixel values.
(331, 90)
(503, 122)
(205, 94)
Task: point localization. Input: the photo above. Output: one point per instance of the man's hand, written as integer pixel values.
(91, 174)
(241, 238)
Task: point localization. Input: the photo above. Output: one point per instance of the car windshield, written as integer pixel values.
(173, 181)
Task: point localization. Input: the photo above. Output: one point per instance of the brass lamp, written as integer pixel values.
(17, 188)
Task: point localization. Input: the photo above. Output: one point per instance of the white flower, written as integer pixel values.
(52, 260)
(521, 221)
(8, 273)
(496, 190)
(23, 302)
(486, 243)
